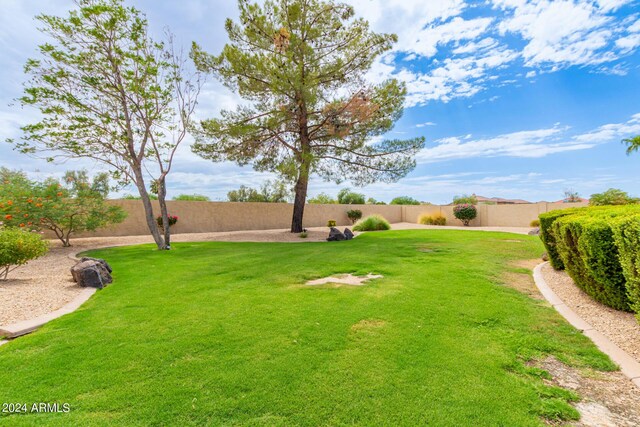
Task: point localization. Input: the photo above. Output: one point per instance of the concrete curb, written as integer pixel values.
(24, 327)
(628, 365)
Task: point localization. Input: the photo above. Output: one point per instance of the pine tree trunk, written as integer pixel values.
(148, 210)
(300, 199)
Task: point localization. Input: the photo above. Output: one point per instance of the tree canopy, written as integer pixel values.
(300, 66)
(107, 91)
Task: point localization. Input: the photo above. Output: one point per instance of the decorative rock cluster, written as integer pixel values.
(92, 273)
(336, 235)
(534, 232)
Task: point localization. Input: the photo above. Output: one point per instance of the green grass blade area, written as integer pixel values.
(228, 334)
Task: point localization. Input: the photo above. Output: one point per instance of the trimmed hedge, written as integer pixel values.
(598, 248)
(626, 233)
(547, 236)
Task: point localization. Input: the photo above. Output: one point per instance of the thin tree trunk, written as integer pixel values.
(162, 194)
(148, 210)
(300, 199)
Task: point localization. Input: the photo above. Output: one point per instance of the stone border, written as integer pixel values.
(24, 327)
(628, 365)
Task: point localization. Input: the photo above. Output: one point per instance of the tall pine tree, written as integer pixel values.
(301, 65)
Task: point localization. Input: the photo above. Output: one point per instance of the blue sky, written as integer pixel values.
(516, 98)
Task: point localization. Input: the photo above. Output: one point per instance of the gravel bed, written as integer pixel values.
(620, 327)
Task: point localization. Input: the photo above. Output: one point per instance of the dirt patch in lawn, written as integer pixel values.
(607, 398)
(344, 279)
(522, 282)
(368, 324)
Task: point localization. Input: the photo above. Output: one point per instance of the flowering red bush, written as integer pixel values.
(172, 220)
(465, 213)
(78, 205)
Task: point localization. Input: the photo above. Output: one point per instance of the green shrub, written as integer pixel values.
(191, 198)
(465, 199)
(548, 237)
(331, 223)
(404, 200)
(322, 199)
(586, 246)
(303, 235)
(354, 215)
(626, 232)
(372, 223)
(348, 197)
(535, 223)
(435, 219)
(612, 196)
(17, 247)
(465, 213)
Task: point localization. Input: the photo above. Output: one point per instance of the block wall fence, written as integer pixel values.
(203, 217)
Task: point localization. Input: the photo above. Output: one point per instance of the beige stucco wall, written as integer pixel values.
(491, 215)
(200, 217)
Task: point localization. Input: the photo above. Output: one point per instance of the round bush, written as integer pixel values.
(354, 215)
(372, 223)
(535, 223)
(435, 219)
(465, 213)
(331, 223)
(17, 247)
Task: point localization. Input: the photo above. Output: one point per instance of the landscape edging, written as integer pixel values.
(24, 327)
(628, 365)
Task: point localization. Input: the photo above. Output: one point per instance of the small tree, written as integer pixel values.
(612, 196)
(323, 199)
(571, 196)
(465, 213)
(404, 200)
(107, 91)
(270, 192)
(301, 65)
(354, 215)
(348, 197)
(75, 206)
(372, 201)
(465, 199)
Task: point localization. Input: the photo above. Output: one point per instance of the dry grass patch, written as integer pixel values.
(367, 325)
(607, 398)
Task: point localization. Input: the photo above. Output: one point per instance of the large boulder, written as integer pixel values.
(92, 273)
(348, 234)
(335, 235)
(100, 260)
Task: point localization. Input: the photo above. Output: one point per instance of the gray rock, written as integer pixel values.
(91, 273)
(100, 260)
(348, 234)
(535, 231)
(335, 235)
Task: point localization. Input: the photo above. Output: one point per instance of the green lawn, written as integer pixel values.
(227, 334)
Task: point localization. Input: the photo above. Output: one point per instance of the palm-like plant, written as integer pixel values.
(633, 144)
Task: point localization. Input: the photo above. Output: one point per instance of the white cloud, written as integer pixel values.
(427, 40)
(527, 144)
(612, 132)
(421, 125)
(562, 33)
